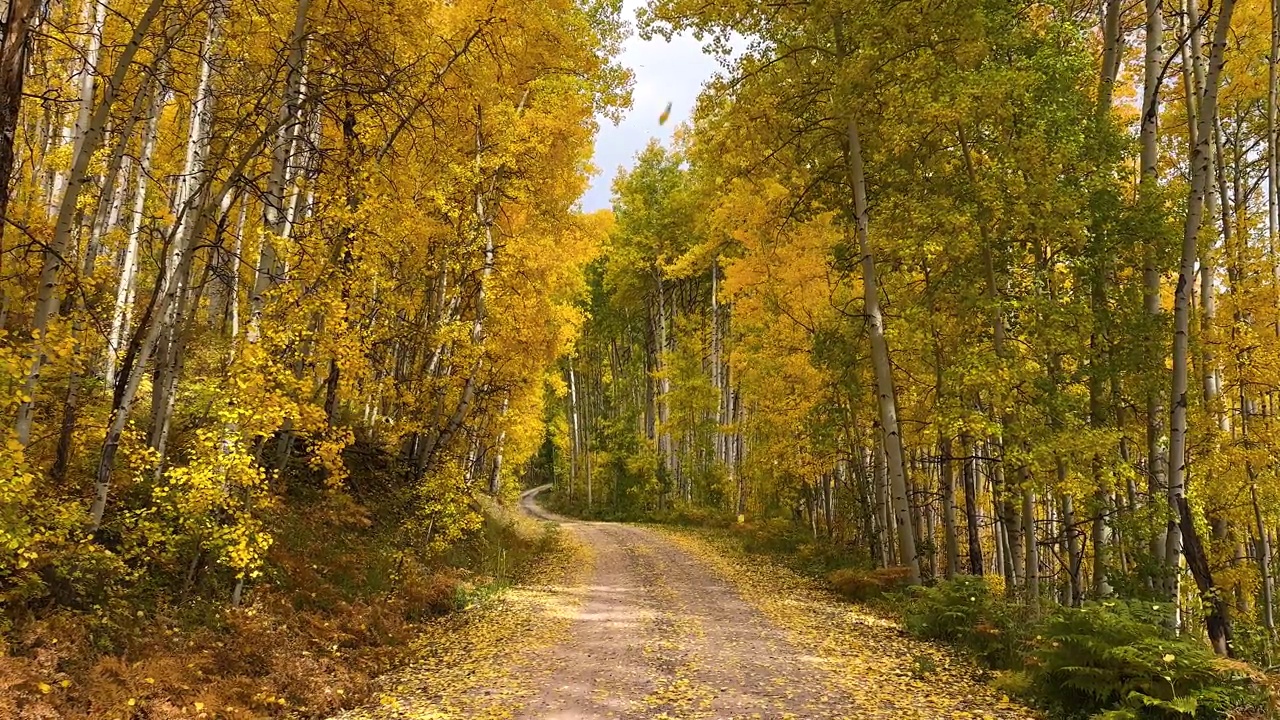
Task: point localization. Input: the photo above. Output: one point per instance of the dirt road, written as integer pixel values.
(662, 624)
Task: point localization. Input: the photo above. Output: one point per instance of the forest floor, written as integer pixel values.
(635, 622)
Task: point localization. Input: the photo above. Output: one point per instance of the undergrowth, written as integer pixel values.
(338, 606)
(1111, 660)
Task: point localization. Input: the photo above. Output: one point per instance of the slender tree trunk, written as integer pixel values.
(19, 21)
(879, 528)
(55, 255)
(129, 263)
(1148, 196)
(1031, 555)
(1184, 531)
(270, 269)
(971, 506)
(1273, 156)
(192, 189)
(575, 444)
(1075, 554)
(1264, 564)
(886, 397)
(949, 509)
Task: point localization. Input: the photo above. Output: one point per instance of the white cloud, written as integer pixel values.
(664, 72)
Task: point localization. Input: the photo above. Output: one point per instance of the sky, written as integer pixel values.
(663, 72)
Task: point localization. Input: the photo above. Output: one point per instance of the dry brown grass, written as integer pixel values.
(306, 646)
(269, 660)
(863, 585)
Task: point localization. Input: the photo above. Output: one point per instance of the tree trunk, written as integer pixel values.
(949, 509)
(1273, 155)
(886, 398)
(971, 506)
(1264, 564)
(270, 268)
(129, 264)
(1032, 552)
(1148, 188)
(1201, 174)
(55, 254)
(18, 23)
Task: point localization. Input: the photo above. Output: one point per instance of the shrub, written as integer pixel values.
(1116, 658)
(967, 612)
(864, 585)
(430, 593)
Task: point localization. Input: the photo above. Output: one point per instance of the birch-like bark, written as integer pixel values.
(129, 263)
(1191, 84)
(666, 448)
(1031, 554)
(1263, 545)
(495, 472)
(946, 477)
(1113, 47)
(1273, 156)
(95, 12)
(54, 256)
(575, 449)
(1184, 530)
(885, 393)
(192, 183)
(274, 217)
(1148, 187)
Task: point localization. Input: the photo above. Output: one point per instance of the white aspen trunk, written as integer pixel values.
(665, 447)
(191, 188)
(1208, 293)
(883, 515)
(1173, 534)
(716, 376)
(129, 263)
(274, 218)
(1112, 40)
(575, 450)
(495, 473)
(1201, 175)
(234, 290)
(1264, 564)
(54, 256)
(84, 78)
(95, 12)
(885, 395)
(114, 212)
(1031, 553)
(1273, 157)
(1148, 186)
(588, 418)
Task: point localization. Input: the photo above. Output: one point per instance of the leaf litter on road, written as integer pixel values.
(867, 657)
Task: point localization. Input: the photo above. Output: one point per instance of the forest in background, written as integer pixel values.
(967, 288)
(280, 283)
(983, 295)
